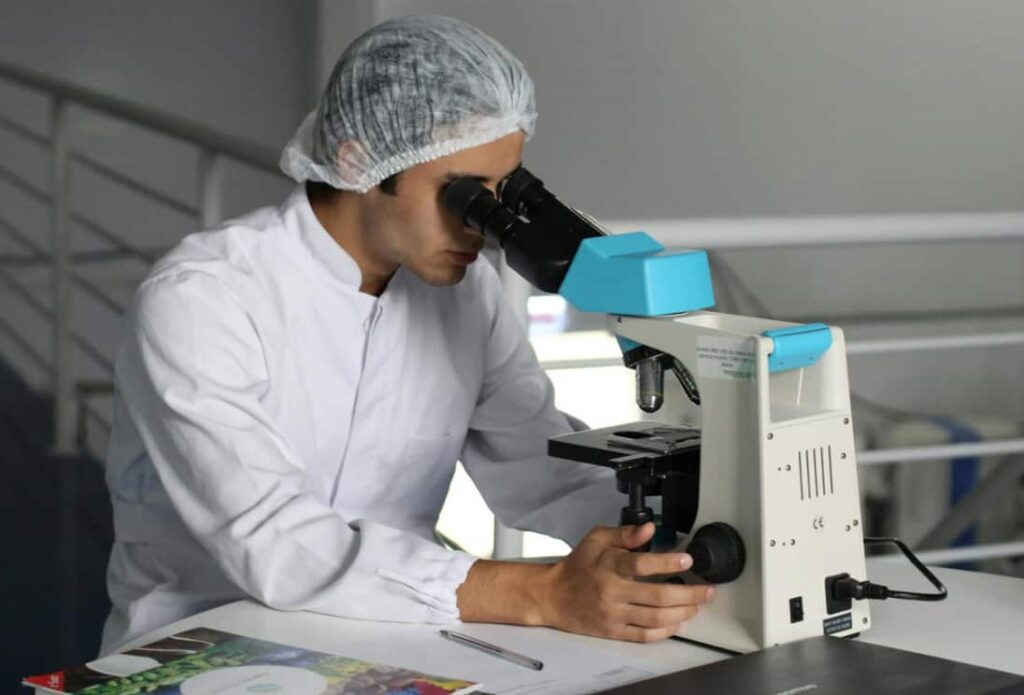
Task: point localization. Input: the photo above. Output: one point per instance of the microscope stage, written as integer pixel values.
(621, 445)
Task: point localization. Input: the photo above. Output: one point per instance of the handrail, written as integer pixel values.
(970, 553)
(723, 233)
(936, 452)
(90, 350)
(213, 147)
(99, 295)
(36, 259)
(30, 300)
(889, 346)
(140, 188)
(117, 242)
(14, 233)
(28, 188)
(15, 335)
(264, 158)
(24, 132)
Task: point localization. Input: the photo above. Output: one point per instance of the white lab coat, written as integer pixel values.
(282, 436)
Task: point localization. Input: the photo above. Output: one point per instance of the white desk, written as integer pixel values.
(982, 623)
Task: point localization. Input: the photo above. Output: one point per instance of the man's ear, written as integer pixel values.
(352, 161)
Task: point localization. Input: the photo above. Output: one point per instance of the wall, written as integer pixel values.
(712, 108)
(720, 109)
(652, 110)
(338, 24)
(242, 68)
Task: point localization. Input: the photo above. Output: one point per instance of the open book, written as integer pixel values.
(204, 661)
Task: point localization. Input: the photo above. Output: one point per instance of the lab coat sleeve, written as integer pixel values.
(506, 447)
(192, 372)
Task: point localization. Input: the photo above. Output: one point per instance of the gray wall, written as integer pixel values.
(732, 108)
(663, 109)
(653, 109)
(235, 65)
(338, 24)
(244, 68)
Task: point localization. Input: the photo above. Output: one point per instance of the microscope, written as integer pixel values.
(761, 487)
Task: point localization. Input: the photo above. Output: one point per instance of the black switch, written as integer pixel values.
(796, 609)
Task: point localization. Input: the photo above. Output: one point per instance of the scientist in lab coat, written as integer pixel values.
(296, 385)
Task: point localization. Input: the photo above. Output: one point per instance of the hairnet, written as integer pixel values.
(409, 90)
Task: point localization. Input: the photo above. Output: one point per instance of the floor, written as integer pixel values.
(52, 594)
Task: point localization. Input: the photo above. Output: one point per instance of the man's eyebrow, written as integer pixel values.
(451, 176)
(476, 177)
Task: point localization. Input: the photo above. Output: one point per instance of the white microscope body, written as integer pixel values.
(777, 463)
(776, 475)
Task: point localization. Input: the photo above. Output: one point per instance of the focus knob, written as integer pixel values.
(718, 553)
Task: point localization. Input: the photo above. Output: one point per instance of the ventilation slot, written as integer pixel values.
(816, 475)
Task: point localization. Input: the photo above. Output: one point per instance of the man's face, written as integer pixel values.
(413, 229)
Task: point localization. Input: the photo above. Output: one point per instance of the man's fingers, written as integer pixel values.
(664, 594)
(645, 616)
(629, 564)
(635, 633)
(621, 536)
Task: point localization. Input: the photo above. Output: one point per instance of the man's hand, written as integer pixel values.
(593, 591)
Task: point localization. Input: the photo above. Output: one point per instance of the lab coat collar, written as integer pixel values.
(326, 252)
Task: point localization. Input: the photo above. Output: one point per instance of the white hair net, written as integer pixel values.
(407, 91)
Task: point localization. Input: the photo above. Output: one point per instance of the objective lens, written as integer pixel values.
(650, 384)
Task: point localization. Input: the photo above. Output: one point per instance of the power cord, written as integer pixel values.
(846, 588)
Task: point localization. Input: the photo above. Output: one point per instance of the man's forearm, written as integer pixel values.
(598, 589)
(504, 592)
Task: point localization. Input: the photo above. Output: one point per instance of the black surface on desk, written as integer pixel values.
(830, 665)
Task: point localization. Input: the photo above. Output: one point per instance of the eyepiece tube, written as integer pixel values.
(538, 234)
(525, 195)
(476, 207)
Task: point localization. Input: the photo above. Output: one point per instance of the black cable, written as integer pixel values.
(911, 595)
(850, 588)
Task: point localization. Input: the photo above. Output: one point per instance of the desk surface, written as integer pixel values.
(981, 623)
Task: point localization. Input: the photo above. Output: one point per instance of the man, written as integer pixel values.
(296, 386)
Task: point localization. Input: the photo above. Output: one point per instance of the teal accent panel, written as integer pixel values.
(625, 344)
(633, 275)
(798, 346)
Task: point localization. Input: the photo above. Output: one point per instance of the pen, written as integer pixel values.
(500, 652)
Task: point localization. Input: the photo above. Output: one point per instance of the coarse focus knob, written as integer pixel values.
(718, 553)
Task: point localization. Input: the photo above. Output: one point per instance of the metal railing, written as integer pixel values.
(70, 398)
(70, 394)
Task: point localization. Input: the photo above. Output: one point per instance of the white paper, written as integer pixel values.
(571, 665)
(249, 679)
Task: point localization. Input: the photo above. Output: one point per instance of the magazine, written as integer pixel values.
(203, 661)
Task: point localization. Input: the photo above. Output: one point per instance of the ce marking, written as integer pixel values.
(819, 523)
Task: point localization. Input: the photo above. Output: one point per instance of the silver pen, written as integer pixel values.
(493, 649)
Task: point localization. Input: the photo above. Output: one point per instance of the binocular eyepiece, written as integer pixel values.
(538, 233)
(476, 207)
